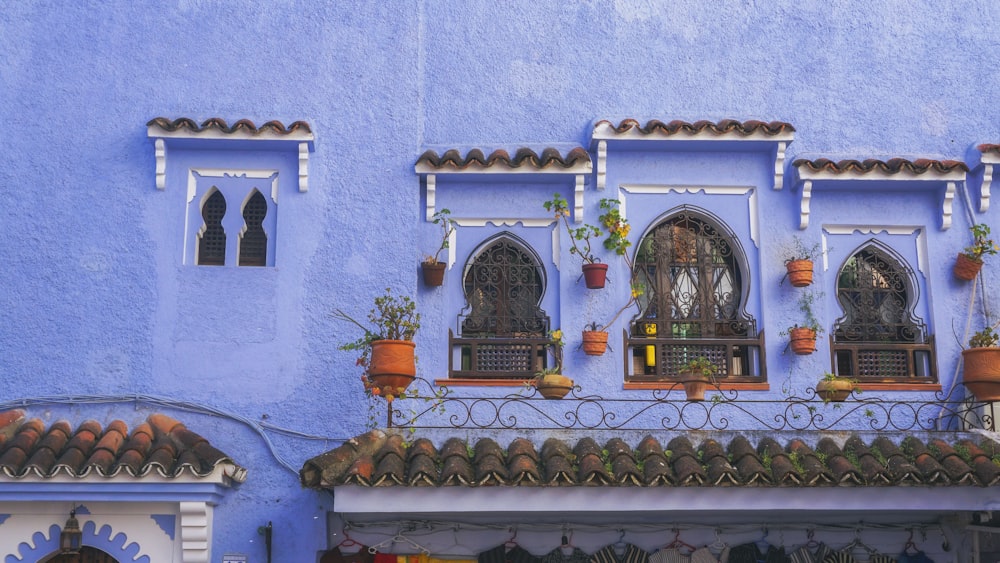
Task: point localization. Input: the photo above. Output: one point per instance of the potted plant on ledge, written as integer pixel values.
(981, 365)
(387, 348)
(594, 272)
(970, 260)
(550, 382)
(835, 389)
(695, 375)
(433, 269)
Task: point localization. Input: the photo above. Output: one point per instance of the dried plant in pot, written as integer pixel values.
(970, 261)
(387, 349)
(432, 268)
(981, 365)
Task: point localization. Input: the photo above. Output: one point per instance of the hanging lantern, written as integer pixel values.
(71, 537)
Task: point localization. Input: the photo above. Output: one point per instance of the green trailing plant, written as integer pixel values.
(699, 366)
(442, 219)
(579, 237)
(800, 251)
(554, 348)
(616, 240)
(982, 244)
(807, 300)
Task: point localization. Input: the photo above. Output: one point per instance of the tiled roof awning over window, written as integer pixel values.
(682, 472)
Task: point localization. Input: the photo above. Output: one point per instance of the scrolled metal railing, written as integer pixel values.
(666, 409)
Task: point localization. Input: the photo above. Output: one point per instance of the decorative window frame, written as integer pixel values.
(203, 147)
(883, 234)
(986, 160)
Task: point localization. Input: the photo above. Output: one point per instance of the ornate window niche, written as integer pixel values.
(726, 135)
(502, 328)
(880, 338)
(932, 176)
(697, 286)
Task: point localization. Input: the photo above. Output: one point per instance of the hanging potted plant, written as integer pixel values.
(433, 269)
(834, 389)
(387, 348)
(550, 382)
(981, 365)
(594, 272)
(970, 261)
(802, 337)
(695, 375)
(799, 265)
(595, 337)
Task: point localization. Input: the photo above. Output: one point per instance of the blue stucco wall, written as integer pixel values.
(96, 300)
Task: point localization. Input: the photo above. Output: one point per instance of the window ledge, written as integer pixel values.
(665, 385)
(481, 382)
(899, 386)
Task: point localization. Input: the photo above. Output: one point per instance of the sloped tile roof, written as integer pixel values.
(989, 147)
(377, 459)
(524, 157)
(219, 124)
(720, 128)
(160, 445)
(891, 166)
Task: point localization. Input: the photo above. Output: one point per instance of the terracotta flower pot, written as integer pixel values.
(981, 372)
(694, 384)
(966, 268)
(393, 365)
(433, 273)
(554, 385)
(834, 390)
(595, 275)
(800, 272)
(595, 342)
(802, 340)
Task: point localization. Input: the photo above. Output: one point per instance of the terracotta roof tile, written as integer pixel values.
(891, 166)
(524, 157)
(724, 127)
(715, 463)
(989, 147)
(60, 449)
(219, 124)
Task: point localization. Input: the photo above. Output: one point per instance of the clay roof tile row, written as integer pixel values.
(524, 157)
(377, 459)
(219, 124)
(723, 127)
(891, 166)
(161, 444)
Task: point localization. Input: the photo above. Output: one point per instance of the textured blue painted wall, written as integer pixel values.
(96, 300)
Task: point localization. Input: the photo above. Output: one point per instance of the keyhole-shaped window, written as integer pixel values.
(212, 241)
(253, 246)
(503, 289)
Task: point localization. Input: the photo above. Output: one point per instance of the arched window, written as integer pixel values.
(694, 274)
(503, 327)
(879, 337)
(212, 239)
(253, 243)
